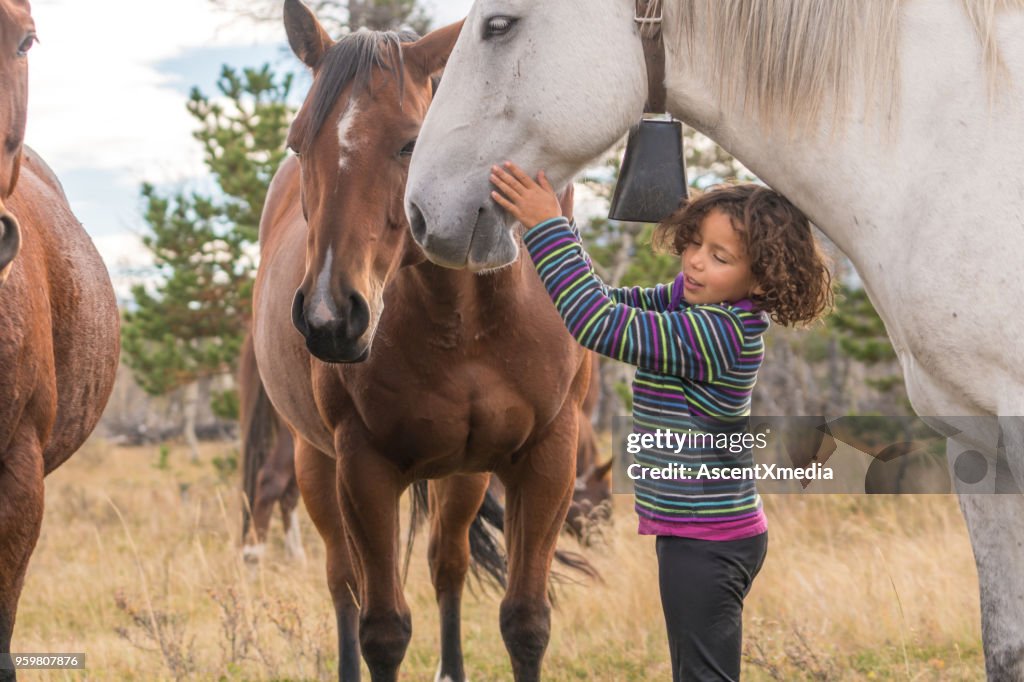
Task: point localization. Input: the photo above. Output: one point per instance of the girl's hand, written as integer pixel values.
(529, 202)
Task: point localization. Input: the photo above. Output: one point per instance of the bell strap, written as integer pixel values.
(649, 20)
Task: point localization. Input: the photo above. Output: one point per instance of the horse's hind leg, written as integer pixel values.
(453, 505)
(315, 474)
(284, 463)
(269, 489)
(21, 516)
(290, 519)
(539, 488)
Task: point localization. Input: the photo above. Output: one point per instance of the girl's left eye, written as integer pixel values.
(721, 260)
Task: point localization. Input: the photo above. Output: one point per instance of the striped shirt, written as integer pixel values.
(696, 369)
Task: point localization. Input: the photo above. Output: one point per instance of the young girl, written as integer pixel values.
(745, 253)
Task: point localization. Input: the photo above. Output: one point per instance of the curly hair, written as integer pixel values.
(785, 258)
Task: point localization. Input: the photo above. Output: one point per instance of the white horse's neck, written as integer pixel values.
(931, 211)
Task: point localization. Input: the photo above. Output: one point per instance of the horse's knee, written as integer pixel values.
(384, 638)
(526, 629)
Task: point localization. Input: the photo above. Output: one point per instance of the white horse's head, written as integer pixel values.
(520, 86)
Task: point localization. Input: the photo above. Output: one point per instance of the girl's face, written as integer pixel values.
(716, 265)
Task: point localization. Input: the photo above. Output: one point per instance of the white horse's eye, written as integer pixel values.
(498, 26)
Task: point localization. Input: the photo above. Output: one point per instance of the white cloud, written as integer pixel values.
(96, 99)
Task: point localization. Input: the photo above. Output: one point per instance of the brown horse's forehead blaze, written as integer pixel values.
(366, 127)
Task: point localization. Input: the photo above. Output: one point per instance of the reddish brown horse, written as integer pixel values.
(468, 374)
(268, 465)
(268, 468)
(58, 325)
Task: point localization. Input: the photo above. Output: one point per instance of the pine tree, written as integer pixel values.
(190, 324)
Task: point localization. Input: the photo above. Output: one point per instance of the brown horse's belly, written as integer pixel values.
(452, 415)
(68, 360)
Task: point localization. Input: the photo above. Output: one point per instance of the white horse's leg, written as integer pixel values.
(995, 523)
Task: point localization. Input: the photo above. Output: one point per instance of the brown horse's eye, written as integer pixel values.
(26, 44)
(407, 150)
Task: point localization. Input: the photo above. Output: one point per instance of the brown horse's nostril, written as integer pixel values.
(10, 239)
(299, 315)
(358, 316)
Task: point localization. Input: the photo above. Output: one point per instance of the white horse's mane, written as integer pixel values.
(791, 61)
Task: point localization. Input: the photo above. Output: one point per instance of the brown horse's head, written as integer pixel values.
(354, 136)
(17, 35)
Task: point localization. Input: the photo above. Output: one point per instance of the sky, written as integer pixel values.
(108, 83)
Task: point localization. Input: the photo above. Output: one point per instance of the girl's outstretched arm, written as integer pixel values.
(703, 342)
(530, 202)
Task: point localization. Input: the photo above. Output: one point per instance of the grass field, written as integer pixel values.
(139, 567)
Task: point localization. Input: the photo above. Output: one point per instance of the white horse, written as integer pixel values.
(897, 126)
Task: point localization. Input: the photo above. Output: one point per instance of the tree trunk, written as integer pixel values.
(190, 410)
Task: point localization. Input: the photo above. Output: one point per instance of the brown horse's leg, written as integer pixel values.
(21, 516)
(369, 488)
(269, 489)
(290, 519)
(453, 504)
(539, 488)
(315, 473)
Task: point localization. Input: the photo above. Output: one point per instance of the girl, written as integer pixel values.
(746, 253)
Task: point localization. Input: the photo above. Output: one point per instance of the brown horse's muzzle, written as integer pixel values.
(339, 336)
(10, 241)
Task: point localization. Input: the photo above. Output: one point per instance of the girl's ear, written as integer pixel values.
(430, 53)
(307, 38)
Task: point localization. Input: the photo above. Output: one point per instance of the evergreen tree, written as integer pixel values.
(190, 324)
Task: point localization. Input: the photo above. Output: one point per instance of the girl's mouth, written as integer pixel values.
(691, 284)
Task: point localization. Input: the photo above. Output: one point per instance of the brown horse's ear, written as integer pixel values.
(430, 53)
(308, 39)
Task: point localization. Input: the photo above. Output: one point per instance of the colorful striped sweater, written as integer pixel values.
(696, 368)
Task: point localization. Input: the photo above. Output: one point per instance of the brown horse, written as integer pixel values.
(268, 465)
(58, 325)
(468, 374)
(268, 468)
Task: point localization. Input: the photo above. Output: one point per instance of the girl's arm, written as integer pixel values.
(657, 298)
(702, 342)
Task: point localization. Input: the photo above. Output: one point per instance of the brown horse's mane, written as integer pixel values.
(351, 60)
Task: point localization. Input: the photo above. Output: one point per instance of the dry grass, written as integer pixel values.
(138, 566)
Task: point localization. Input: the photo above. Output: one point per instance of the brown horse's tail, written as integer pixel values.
(258, 425)
(488, 561)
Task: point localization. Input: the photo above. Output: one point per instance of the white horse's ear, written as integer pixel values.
(430, 53)
(308, 39)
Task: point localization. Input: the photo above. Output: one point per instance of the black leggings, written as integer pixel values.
(703, 583)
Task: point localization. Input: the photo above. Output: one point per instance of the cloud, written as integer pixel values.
(96, 97)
